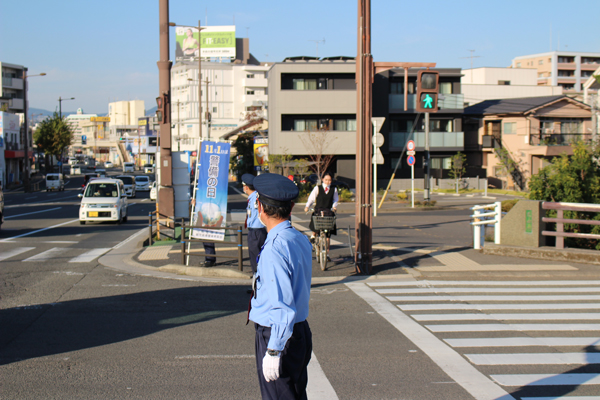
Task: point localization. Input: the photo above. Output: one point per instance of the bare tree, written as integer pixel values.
(317, 143)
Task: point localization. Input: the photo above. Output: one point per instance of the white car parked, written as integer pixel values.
(153, 191)
(142, 182)
(103, 200)
(128, 167)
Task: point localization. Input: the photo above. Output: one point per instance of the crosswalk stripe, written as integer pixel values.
(46, 255)
(506, 317)
(515, 306)
(512, 327)
(547, 379)
(89, 256)
(426, 283)
(14, 252)
(491, 290)
(494, 298)
(563, 398)
(523, 341)
(534, 358)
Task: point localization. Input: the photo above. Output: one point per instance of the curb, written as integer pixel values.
(204, 272)
(544, 253)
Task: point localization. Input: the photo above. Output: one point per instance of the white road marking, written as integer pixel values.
(35, 212)
(89, 256)
(512, 327)
(493, 298)
(452, 363)
(214, 356)
(426, 283)
(534, 358)
(516, 306)
(506, 317)
(39, 230)
(547, 379)
(524, 342)
(14, 252)
(318, 384)
(491, 290)
(29, 198)
(563, 398)
(46, 255)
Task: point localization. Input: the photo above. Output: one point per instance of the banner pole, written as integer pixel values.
(193, 208)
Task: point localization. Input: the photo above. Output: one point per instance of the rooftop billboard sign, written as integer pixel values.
(214, 41)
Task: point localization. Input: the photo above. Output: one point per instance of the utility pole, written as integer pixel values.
(364, 75)
(207, 115)
(166, 197)
(427, 162)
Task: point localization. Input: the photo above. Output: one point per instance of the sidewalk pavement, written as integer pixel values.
(389, 262)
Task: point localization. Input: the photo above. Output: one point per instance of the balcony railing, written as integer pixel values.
(454, 140)
(559, 139)
(445, 101)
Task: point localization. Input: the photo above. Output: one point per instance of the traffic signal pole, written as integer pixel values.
(426, 162)
(166, 197)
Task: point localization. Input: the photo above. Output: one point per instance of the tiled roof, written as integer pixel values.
(510, 106)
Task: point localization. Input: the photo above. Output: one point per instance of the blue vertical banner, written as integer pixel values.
(210, 209)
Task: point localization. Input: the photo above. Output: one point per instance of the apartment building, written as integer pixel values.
(314, 98)
(480, 84)
(532, 130)
(561, 68)
(229, 91)
(12, 93)
(76, 122)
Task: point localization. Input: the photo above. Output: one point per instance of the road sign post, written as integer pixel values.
(410, 146)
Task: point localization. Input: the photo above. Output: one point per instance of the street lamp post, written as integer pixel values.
(26, 183)
(60, 100)
(199, 27)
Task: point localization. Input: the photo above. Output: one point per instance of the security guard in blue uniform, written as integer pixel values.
(256, 231)
(279, 306)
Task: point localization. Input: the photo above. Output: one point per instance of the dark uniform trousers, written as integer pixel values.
(209, 248)
(293, 375)
(256, 239)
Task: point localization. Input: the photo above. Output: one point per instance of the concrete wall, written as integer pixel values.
(523, 225)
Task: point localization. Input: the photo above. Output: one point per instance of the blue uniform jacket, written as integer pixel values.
(282, 283)
(252, 212)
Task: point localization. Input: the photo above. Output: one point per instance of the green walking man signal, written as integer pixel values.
(427, 91)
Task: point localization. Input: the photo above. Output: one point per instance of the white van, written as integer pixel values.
(128, 167)
(55, 182)
(104, 199)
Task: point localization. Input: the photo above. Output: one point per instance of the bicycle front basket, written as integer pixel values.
(323, 223)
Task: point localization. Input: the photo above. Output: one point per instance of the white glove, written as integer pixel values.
(271, 367)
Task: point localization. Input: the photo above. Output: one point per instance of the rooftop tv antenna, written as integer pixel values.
(317, 43)
(471, 57)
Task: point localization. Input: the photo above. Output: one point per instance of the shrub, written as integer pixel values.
(344, 195)
(507, 205)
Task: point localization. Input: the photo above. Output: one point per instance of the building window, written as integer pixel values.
(248, 91)
(344, 125)
(571, 125)
(566, 60)
(541, 62)
(441, 163)
(562, 72)
(439, 125)
(506, 83)
(586, 74)
(402, 125)
(214, 109)
(398, 88)
(590, 60)
(509, 128)
(249, 75)
(567, 86)
(305, 84)
(446, 87)
(518, 65)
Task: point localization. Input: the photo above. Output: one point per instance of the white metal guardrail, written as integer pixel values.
(481, 218)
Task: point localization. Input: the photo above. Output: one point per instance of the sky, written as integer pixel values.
(104, 51)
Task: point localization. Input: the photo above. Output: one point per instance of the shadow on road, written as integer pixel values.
(49, 329)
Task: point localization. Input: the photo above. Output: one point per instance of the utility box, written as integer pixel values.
(181, 184)
(523, 225)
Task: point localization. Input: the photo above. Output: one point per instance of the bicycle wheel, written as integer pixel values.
(323, 252)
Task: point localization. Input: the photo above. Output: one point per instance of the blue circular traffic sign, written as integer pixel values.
(410, 160)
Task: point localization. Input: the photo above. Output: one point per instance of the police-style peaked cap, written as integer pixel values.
(275, 190)
(248, 179)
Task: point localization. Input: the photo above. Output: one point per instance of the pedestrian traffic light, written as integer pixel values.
(427, 91)
(162, 108)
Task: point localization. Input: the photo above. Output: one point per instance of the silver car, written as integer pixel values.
(142, 183)
(128, 184)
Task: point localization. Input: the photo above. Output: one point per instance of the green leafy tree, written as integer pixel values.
(53, 136)
(459, 165)
(280, 161)
(574, 179)
(242, 162)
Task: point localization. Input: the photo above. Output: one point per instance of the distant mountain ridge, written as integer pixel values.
(45, 113)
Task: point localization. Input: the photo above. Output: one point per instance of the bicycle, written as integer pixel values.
(323, 224)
